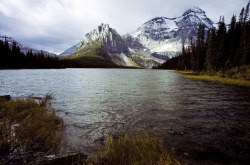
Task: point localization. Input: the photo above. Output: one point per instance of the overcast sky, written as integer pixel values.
(55, 25)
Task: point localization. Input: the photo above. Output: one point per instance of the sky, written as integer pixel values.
(55, 25)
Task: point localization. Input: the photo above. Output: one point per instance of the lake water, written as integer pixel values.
(95, 102)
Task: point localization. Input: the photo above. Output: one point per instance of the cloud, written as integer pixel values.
(55, 25)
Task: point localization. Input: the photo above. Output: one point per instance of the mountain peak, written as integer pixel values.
(106, 36)
(103, 27)
(195, 16)
(195, 10)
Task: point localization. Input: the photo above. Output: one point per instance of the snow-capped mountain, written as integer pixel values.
(23, 48)
(165, 36)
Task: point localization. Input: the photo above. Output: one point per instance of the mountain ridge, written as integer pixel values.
(158, 39)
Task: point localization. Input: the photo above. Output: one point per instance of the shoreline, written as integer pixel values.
(213, 78)
(225, 81)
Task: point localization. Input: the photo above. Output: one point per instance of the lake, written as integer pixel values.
(95, 102)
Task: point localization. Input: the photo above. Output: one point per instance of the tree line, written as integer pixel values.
(13, 58)
(219, 50)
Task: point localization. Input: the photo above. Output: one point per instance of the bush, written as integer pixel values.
(134, 150)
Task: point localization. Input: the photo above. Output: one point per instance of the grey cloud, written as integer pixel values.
(55, 25)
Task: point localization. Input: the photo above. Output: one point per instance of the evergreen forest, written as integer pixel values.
(13, 58)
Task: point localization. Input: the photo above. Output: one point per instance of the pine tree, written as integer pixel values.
(188, 59)
(248, 43)
(211, 51)
(2, 56)
(243, 40)
(200, 48)
(241, 17)
(232, 38)
(246, 13)
(221, 46)
(193, 55)
(182, 59)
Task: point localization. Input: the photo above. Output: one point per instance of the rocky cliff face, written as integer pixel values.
(107, 37)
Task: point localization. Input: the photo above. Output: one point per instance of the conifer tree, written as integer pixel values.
(200, 48)
(243, 39)
(211, 51)
(193, 56)
(232, 39)
(241, 17)
(221, 46)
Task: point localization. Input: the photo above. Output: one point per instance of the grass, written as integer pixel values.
(183, 71)
(227, 81)
(29, 125)
(134, 150)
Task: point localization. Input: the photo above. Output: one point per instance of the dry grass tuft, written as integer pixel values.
(134, 150)
(29, 125)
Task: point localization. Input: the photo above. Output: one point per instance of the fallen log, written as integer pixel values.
(4, 97)
(77, 158)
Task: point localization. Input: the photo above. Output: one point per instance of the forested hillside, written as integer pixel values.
(13, 58)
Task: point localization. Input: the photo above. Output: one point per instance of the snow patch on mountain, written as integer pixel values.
(127, 60)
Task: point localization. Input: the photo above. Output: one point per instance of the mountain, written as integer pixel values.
(23, 48)
(163, 37)
(104, 47)
(153, 43)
